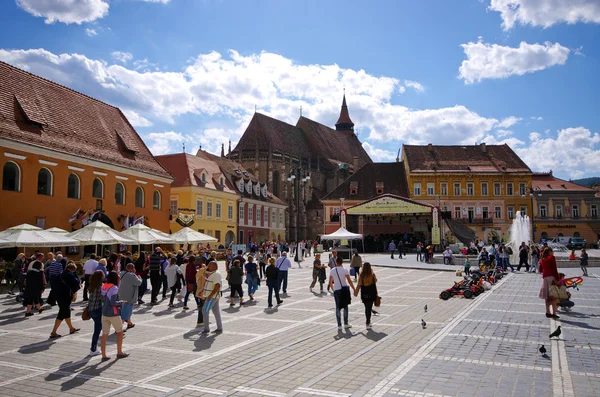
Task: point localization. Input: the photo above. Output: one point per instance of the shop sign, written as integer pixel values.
(388, 205)
(557, 226)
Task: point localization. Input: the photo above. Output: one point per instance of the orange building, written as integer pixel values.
(63, 153)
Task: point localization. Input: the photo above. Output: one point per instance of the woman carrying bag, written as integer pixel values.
(367, 285)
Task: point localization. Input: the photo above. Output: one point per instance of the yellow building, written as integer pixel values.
(202, 196)
(479, 188)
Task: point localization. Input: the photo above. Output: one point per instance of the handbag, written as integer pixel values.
(377, 301)
(86, 314)
(345, 297)
(558, 292)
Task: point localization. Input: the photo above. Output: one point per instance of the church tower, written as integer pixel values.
(344, 123)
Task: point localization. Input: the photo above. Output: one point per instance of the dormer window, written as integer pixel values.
(379, 187)
(31, 112)
(203, 178)
(246, 173)
(237, 171)
(128, 144)
(221, 181)
(353, 188)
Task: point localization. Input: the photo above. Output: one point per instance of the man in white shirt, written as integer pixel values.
(339, 280)
(89, 267)
(283, 264)
(447, 256)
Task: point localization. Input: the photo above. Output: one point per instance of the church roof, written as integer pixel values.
(344, 119)
(41, 113)
(463, 158)
(390, 177)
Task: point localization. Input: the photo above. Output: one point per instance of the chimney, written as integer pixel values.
(355, 163)
(483, 148)
(430, 147)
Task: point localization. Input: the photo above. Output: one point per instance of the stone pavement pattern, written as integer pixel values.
(469, 347)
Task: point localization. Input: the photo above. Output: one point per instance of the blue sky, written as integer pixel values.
(460, 72)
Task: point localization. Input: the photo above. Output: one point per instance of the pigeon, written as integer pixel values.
(556, 333)
(423, 324)
(542, 350)
(425, 308)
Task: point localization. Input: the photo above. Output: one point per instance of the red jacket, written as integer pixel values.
(190, 273)
(548, 267)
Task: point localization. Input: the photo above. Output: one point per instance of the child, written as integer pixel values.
(565, 303)
(467, 265)
(583, 261)
(572, 257)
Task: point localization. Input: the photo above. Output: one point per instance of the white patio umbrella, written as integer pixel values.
(57, 230)
(142, 234)
(190, 236)
(98, 233)
(343, 234)
(31, 236)
(5, 243)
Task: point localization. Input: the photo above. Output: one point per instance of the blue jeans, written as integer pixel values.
(252, 285)
(96, 315)
(126, 311)
(282, 281)
(142, 288)
(165, 286)
(336, 296)
(187, 294)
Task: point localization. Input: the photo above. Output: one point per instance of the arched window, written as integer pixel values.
(11, 177)
(98, 188)
(44, 185)
(156, 200)
(276, 183)
(119, 194)
(73, 186)
(139, 197)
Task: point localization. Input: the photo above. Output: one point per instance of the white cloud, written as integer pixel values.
(91, 32)
(136, 120)
(493, 61)
(538, 118)
(509, 122)
(156, 1)
(401, 89)
(121, 56)
(165, 142)
(573, 153)
(228, 87)
(377, 154)
(579, 51)
(512, 141)
(66, 11)
(546, 12)
(414, 85)
(503, 133)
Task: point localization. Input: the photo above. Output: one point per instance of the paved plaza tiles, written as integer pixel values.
(487, 346)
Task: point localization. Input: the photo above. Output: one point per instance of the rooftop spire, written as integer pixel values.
(344, 123)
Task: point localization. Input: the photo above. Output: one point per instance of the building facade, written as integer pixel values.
(562, 208)
(300, 164)
(479, 188)
(67, 158)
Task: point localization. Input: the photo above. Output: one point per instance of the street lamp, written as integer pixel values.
(533, 191)
(298, 175)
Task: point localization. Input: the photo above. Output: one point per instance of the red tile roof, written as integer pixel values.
(549, 183)
(39, 112)
(473, 158)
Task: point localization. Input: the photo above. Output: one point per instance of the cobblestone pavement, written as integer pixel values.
(470, 347)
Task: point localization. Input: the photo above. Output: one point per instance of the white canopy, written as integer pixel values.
(342, 234)
(57, 230)
(100, 233)
(142, 234)
(32, 236)
(190, 236)
(5, 243)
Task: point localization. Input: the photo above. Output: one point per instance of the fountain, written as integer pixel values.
(519, 232)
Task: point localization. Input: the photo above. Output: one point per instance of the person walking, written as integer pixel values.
(392, 248)
(236, 276)
(128, 293)
(535, 258)
(173, 274)
(272, 275)
(190, 282)
(102, 266)
(251, 273)
(35, 282)
(155, 274)
(67, 286)
(283, 264)
(400, 248)
(95, 302)
(355, 264)
(262, 262)
(212, 293)
(523, 257)
(367, 285)
(332, 265)
(18, 270)
(550, 277)
(318, 272)
(419, 251)
(163, 277)
(339, 280)
(141, 269)
(583, 262)
(110, 315)
(201, 275)
(53, 270)
(89, 267)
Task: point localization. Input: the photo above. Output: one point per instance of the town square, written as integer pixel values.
(218, 198)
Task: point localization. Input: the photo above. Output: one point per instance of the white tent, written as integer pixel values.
(57, 230)
(5, 243)
(190, 236)
(342, 234)
(142, 234)
(31, 236)
(100, 233)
